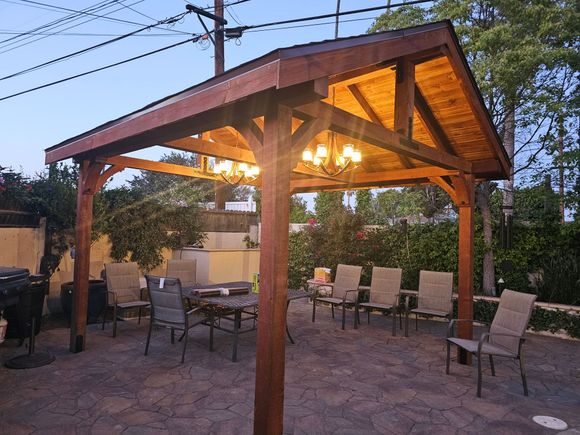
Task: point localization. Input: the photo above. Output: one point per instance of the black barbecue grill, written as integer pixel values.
(22, 303)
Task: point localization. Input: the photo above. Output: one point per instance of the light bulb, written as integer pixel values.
(243, 167)
(321, 151)
(307, 156)
(356, 156)
(347, 151)
(316, 161)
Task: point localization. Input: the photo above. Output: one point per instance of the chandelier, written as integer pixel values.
(329, 161)
(234, 173)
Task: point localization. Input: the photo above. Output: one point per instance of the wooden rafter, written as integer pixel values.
(358, 128)
(367, 108)
(431, 124)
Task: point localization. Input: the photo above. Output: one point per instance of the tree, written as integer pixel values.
(299, 213)
(365, 206)
(519, 52)
(327, 204)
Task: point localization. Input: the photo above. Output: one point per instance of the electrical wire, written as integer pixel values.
(93, 47)
(198, 37)
(46, 85)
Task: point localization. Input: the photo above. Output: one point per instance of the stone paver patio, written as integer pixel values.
(345, 382)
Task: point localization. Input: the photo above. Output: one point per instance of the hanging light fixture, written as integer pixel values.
(328, 160)
(234, 173)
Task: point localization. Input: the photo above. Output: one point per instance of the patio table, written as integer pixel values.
(236, 303)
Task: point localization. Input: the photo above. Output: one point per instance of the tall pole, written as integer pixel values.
(561, 134)
(337, 19)
(219, 187)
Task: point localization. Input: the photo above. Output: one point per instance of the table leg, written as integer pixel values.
(237, 320)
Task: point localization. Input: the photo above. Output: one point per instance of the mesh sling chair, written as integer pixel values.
(505, 336)
(185, 270)
(344, 291)
(167, 309)
(123, 290)
(384, 293)
(434, 297)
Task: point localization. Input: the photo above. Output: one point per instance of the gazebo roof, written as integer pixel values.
(352, 86)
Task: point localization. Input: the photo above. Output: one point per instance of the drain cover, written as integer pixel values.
(550, 422)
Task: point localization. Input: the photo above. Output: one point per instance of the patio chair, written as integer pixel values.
(344, 291)
(123, 290)
(434, 297)
(384, 293)
(505, 336)
(167, 309)
(185, 270)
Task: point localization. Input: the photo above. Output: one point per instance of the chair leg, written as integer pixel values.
(313, 309)
(104, 317)
(343, 315)
(184, 344)
(523, 373)
(479, 375)
(406, 324)
(114, 321)
(448, 359)
(368, 316)
(356, 317)
(172, 336)
(148, 336)
(416, 322)
(491, 365)
(394, 315)
(139, 319)
(332, 308)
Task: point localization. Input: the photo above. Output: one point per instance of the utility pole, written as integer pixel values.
(561, 134)
(219, 62)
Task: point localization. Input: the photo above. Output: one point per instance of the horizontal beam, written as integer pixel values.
(373, 179)
(213, 149)
(355, 127)
(166, 168)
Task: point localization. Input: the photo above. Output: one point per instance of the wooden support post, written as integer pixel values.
(465, 191)
(270, 343)
(89, 173)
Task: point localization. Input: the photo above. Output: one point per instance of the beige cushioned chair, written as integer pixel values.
(505, 336)
(384, 293)
(123, 290)
(185, 270)
(434, 297)
(344, 290)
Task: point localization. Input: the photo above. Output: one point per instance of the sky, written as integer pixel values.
(37, 120)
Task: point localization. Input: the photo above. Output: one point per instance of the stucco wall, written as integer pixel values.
(22, 247)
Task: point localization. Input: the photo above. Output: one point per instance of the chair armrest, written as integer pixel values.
(350, 291)
(486, 335)
(114, 297)
(452, 322)
(193, 310)
(142, 290)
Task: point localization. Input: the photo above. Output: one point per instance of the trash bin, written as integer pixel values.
(96, 303)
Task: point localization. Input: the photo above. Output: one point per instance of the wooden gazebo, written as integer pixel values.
(405, 98)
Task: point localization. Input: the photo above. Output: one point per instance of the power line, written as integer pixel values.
(93, 47)
(333, 15)
(46, 85)
(198, 37)
(13, 32)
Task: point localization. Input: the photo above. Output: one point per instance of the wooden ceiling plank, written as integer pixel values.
(475, 101)
(358, 128)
